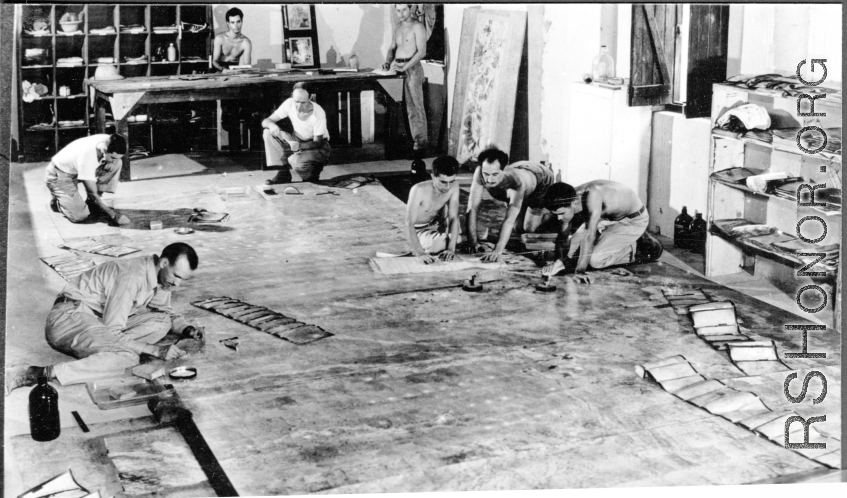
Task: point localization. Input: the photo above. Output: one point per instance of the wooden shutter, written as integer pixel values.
(707, 56)
(654, 29)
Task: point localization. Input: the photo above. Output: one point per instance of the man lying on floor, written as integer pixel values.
(95, 161)
(605, 221)
(522, 185)
(432, 213)
(108, 316)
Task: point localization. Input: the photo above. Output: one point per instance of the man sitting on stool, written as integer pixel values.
(95, 161)
(296, 136)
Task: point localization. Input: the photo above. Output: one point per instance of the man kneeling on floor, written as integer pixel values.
(108, 316)
(432, 213)
(605, 221)
(296, 136)
(95, 161)
(521, 185)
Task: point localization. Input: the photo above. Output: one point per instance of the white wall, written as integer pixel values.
(365, 29)
(775, 38)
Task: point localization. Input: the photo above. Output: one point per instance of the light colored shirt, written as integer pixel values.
(79, 157)
(118, 289)
(313, 127)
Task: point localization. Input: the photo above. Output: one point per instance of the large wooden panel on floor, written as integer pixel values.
(486, 82)
(425, 387)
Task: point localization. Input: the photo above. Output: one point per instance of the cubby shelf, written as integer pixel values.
(729, 201)
(35, 143)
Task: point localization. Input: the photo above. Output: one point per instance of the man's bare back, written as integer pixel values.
(617, 200)
(515, 180)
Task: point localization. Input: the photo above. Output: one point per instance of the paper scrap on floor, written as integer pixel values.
(399, 265)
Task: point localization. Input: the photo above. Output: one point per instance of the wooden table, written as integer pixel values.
(258, 86)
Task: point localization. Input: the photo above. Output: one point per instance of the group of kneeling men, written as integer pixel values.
(600, 224)
(110, 315)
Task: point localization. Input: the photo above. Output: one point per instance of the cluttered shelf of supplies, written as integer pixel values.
(757, 173)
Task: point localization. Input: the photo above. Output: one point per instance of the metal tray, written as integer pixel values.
(135, 391)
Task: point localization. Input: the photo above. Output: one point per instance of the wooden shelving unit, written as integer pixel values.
(131, 32)
(725, 255)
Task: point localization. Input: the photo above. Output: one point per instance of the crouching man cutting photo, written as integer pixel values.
(605, 221)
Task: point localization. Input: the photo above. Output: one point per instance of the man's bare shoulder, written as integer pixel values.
(220, 36)
(418, 27)
(420, 190)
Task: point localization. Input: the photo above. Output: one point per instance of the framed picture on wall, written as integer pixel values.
(301, 36)
(302, 54)
(299, 18)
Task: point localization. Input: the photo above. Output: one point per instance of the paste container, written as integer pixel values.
(120, 392)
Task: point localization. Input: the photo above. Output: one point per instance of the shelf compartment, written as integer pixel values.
(745, 244)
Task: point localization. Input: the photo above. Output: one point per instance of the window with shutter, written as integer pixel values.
(677, 53)
(654, 28)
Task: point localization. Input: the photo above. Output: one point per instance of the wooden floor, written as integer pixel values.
(422, 387)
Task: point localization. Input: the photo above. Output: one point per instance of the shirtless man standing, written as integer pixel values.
(605, 220)
(432, 207)
(522, 185)
(408, 48)
(231, 49)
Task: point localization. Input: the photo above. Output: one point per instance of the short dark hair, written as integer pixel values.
(445, 165)
(117, 144)
(559, 195)
(235, 11)
(302, 85)
(493, 154)
(177, 249)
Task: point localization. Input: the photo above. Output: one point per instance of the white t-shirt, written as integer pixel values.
(313, 127)
(80, 157)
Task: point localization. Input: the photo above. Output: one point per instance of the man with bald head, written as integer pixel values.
(296, 137)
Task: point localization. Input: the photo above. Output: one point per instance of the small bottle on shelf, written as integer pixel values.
(171, 53)
(603, 66)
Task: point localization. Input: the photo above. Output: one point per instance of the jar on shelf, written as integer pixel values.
(603, 66)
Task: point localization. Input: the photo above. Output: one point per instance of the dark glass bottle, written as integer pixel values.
(44, 411)
(698, 234)
(682, 230)
(418, 171)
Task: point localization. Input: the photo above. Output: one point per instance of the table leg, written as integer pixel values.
(100, 115)
(356, 118)
(122, 129)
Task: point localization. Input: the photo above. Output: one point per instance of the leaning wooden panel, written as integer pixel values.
(486, 82)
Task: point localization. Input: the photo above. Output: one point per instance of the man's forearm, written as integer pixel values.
(505, 232)
(470, 225)
(586, 249)
(562, 247)
(389, 57)
(412, 235)
(454, 235)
